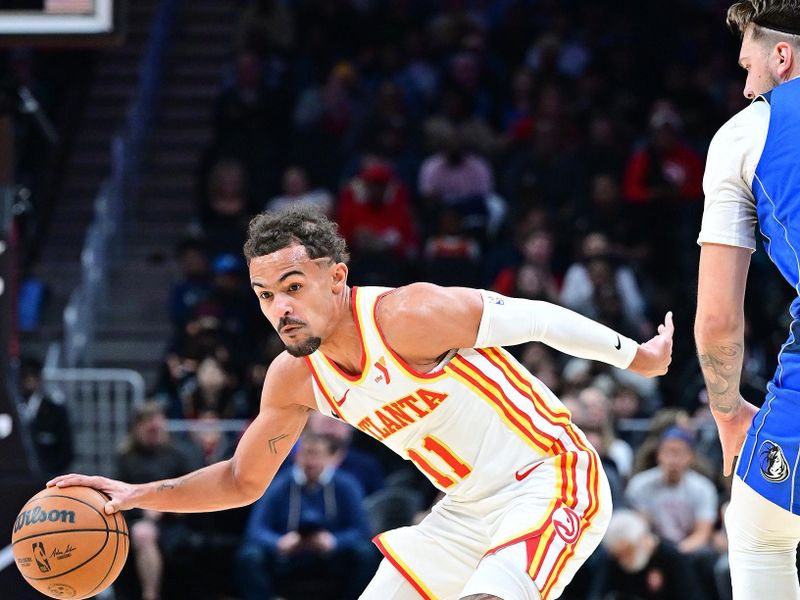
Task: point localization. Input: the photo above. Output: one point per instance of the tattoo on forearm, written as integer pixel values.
(171, 485)
(273, 442)
(722, 370)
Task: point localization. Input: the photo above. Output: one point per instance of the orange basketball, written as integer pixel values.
(66, 546)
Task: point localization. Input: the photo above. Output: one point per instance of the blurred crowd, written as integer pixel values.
(550, 150)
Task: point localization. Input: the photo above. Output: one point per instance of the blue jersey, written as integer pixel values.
(769, 459)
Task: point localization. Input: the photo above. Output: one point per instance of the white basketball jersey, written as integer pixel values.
(468, 425)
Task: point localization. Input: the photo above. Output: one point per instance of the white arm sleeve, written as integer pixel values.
(509, 321)
(729, 216)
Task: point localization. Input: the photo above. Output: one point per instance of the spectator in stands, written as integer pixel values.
(533, 278)
(645, 566)
(158, 540)
(194, 285)
(224, 214)
(597, 415)
(214, 389)
(666, 169)
(680, 503)
(663, 183)
(310, 520)
(374, 216)
(539, 360)
(597, 268)
(297, 191)
(231, 301)
(454, 172)
(47, 420)
(451, 256)
(361, 465)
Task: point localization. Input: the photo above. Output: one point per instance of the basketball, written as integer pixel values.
(65, 545)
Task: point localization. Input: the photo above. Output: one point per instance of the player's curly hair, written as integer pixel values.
(272, 231)
(773, 16)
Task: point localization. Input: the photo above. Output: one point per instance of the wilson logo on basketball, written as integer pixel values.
(37, 515)
(567, 524)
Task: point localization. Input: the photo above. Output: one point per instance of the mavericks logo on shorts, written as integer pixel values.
(773, 463)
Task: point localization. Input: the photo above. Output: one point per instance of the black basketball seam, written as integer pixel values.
(114, 560)
(76, 567)
(118, 532)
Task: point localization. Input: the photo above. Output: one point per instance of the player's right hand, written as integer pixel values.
(655, 355)
(120, 494)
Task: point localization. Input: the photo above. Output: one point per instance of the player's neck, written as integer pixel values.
(343, 346)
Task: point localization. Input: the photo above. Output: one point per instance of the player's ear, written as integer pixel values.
(338, 277)
(785, 56)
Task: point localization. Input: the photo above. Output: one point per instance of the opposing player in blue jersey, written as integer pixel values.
(753, 176)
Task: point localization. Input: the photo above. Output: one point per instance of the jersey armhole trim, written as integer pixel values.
(321, 387)
(398, 360)
(358, 378)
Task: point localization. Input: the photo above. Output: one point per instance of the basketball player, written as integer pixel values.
(421, 369)
(753, 175)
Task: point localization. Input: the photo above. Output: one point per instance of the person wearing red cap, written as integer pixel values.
(374, 217)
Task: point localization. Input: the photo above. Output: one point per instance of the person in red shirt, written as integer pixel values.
(665, 169)
(663, 183)
(374, 216)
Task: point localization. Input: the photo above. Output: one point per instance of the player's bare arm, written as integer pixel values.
(719, 334)
(286, 398)
(423, 321)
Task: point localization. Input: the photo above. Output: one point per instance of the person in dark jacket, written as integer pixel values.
(47, 420)
(309, 524)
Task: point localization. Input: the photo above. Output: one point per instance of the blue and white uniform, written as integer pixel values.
(753, 177)
(766, 138)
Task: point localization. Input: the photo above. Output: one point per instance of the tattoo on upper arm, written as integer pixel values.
(722, 370)
(167, 485)
(273, 442)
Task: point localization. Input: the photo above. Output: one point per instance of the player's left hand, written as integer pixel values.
(655, 355)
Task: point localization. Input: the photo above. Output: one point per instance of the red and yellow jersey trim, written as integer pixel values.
(403, 568)
(404, 367)
(492, 392)
(359, 377)
(326, 393)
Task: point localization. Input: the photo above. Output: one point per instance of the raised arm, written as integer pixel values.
(719, 334)
(286, 399)
(423, 321)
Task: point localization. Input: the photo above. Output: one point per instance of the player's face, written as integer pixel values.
(754, 57)
(674, 457)
(298, 295)
(313, 457)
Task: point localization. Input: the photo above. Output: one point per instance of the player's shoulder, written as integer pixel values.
(419, 292)
(748, 122)
(289, 379)
(423, 299)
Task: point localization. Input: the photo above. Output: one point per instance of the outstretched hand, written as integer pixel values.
(655, 355)
(120, 494)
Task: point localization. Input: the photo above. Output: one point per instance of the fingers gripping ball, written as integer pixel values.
(65, 545)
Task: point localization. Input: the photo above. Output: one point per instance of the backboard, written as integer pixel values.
(60, 22)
